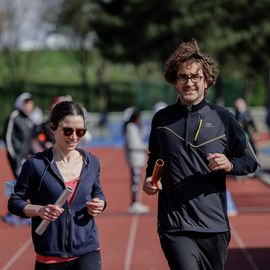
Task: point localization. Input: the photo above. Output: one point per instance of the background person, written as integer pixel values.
(246, 121)
(200, 144)
(135, 152)
(159, 105)
(44, 135)
(267, 117)
(18, 133)
(18, 136)
(71, 239)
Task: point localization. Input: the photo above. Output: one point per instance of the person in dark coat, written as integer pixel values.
(18, 136)
(246, 121)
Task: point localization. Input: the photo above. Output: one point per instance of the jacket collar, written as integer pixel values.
(192, 108)
(48, 154)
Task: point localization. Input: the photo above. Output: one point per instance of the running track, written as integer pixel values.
(129, 242)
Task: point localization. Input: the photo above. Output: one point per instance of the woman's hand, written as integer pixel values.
(150, 189)
(50, 212)
(95, 206)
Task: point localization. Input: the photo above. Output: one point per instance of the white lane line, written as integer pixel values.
(131, 241)
(243, 249)
(132, 233)
(134, 221)
(17, 255)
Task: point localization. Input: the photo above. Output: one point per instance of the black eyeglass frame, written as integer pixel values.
(195, 78)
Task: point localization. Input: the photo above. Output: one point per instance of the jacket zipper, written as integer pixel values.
(198, 130)
(67, 235)
(67, 232)
(68, 222)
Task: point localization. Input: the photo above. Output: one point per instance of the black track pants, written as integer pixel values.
(195, 251)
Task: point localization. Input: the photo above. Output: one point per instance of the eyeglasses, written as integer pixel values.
(80, 132)
(183, 78)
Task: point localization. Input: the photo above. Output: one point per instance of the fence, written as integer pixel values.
(95, 98)
(114, 96)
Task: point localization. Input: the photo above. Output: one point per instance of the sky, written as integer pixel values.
(23, 26)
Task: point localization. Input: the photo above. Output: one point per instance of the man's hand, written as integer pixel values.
(150, 189)
(219, 162)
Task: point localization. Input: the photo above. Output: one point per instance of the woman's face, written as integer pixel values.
(69, 132)
(191, 84)
(28, 107)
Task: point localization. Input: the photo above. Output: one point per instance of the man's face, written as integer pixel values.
(191, 84)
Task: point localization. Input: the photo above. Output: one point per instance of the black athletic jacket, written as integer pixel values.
(18, 134)
(193, 197)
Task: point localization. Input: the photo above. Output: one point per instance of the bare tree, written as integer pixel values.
(20, 37)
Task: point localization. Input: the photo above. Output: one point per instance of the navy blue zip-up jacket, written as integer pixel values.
(74, 233)
(193, 198)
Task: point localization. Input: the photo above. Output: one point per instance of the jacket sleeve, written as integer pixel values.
(240, 151)
(11, 141)
(97, 191)
(19, 198)
(153, 149)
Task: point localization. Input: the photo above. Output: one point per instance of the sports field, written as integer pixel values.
(130, 242)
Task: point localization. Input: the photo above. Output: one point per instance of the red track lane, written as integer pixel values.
(130, 242)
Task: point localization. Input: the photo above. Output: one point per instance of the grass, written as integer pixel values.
(61, 67)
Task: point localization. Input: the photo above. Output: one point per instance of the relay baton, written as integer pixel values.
(60, 202)
(157, 171)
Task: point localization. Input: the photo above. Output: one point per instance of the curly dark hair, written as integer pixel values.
(189, 52)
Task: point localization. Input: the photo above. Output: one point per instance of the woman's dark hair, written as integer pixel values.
(133, 118)
(63, 109)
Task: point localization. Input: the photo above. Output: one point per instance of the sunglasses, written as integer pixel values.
(80, 132)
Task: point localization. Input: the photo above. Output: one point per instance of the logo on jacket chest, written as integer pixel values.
(208, 125)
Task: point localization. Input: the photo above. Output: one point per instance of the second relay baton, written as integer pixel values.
(60, 202)
(157, 171)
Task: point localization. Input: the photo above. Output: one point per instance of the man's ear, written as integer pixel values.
(205, 86)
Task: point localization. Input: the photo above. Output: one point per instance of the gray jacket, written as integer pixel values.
(135, 148)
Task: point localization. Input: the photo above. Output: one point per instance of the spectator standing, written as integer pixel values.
(159, 105)
(18, 137)
(19, 132)
(200, 144)
(135, 151)
(246, 121)
(71, 239)
(267, 119)
(44, 134)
